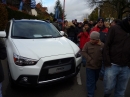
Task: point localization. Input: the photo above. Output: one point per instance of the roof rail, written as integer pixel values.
(24, 19)
(47, 21)
(12, 19)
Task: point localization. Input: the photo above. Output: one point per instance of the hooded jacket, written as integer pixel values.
(84, 37)
(93, 54)
(103, 32)
(117, 46)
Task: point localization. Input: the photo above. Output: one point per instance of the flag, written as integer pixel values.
(33, 4)
(21, 5)
(56, 12)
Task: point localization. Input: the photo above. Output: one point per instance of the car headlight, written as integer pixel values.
(23, 61)
(78, 54)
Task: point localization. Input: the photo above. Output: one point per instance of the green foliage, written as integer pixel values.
(3, 17)
(7, 13)
(120, 7)
(94, 15)
(19, 15)
(43, 15)
(52, 15)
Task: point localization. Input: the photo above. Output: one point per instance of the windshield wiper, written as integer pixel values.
(58, 36)
(21, 37)
(47, 36)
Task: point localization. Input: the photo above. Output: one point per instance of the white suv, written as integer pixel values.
(37, 53)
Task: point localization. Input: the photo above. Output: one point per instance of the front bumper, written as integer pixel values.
(31, 80)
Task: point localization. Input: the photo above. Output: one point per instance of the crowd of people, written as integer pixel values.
(105, 52)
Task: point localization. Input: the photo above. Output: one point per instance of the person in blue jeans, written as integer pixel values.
(117, 59)
(92, 51)
(102, 71)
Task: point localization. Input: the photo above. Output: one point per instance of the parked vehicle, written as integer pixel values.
(37, 53)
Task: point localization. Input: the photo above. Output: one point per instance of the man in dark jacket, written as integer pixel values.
(72, 33)
(2, 57)
(117, 59)
(100, 27)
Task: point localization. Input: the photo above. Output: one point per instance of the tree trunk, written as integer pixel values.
(119, 16)
(119, 11)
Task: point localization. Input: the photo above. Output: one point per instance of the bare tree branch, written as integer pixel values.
(126, 11)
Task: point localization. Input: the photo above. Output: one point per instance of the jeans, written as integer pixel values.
(116, 77)
(92, 77)
(101, 74)
(84, 61)
(0, 89)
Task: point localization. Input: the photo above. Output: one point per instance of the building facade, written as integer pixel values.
(25, 5)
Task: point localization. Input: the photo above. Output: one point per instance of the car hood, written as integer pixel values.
(43, 47)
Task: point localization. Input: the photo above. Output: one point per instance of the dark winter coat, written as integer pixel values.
(117, 46)
(2, 57)
(93, 55)
(72, 32)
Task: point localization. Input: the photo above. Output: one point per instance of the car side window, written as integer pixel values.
(7, 29)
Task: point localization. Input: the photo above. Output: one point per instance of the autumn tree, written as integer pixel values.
(122, 7)
(52, 15)
(94, 15)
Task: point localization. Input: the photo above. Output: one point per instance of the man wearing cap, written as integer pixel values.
(100, 27)
(117, 59)
(92, 51)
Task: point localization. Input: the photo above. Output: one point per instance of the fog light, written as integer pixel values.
(25, 79)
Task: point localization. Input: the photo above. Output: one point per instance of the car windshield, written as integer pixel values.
(33, 30)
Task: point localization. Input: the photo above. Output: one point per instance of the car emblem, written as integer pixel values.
(59, 62)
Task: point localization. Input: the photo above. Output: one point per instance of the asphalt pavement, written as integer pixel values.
(69, 88)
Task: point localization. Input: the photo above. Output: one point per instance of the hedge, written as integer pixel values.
(19, 15)
(7, 13)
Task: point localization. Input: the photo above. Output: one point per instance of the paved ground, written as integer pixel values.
(73, 88)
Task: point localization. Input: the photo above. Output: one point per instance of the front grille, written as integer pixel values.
(58, 62)
(44, 75)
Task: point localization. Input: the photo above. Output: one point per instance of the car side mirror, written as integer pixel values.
(62, 33)
(2, 34)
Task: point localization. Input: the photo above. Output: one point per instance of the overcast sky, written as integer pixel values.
(74, 9)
